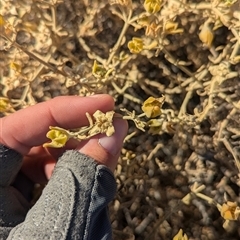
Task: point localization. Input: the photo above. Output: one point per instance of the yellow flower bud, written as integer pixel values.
(152, 6)
(172, 27)
(5, 105)
(136, 45)
(230, 211)
(58, 137)
(98, 70)
(2, 21)
(16, 67)
(180, 236)
(152, 106)
(155, 126)
(206, 35)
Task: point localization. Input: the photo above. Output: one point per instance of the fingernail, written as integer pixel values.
(96, 96)
(113, 144)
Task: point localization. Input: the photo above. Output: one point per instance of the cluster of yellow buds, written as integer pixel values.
(152, 108)
(154, 27)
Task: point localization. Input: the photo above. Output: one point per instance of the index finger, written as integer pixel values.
(28, 127)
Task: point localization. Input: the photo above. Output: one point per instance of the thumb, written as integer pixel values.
(106, 150)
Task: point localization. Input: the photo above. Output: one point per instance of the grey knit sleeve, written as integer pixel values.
(74, 203)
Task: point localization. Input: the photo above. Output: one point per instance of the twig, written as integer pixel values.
(119, 41)
(230, 149)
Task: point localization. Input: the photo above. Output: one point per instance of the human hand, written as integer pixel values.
(25, 131)
(76, 179)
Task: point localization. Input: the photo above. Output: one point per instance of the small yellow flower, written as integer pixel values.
(2, 21)
(180, 236)
(58, 137)
(230, 211)
(152, 106)
(152, 6)
(5, 105)
(136, 45)
(206, 35)
(98, 70)
(16, 67)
